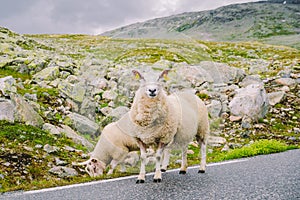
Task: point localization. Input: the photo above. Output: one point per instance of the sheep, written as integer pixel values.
(112, 148)
(165, 122)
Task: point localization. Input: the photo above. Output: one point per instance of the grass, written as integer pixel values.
(32, 171)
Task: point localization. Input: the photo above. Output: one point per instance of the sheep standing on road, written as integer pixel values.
(167, 122)
(112, 148)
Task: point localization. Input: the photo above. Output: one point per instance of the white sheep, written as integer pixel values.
(167, 122)
(112, 148)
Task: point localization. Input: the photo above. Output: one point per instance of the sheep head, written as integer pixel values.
(94, 167)
(151, 87)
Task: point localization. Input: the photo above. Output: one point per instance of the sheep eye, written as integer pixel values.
(94, 160)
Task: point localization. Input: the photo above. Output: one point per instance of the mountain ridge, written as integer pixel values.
(271, 22)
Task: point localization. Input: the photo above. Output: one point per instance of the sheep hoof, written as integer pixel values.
(140, 181)
(163, 170)
(201, 171)
(182, 172)
(157, 180)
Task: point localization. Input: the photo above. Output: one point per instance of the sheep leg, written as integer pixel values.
(202, 144)
(159, 153)
(183, 161)
(113, 165)
(166, 159)
(141, 177)
(123, 168)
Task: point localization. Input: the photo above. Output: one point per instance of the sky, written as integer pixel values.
(92, 16)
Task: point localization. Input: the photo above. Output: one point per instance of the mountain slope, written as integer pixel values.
(271, 22)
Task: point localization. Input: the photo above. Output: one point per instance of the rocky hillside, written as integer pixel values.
(57, 92)
(272, 22)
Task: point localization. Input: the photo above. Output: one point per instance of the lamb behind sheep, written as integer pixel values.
(167, 122)
(112, 148)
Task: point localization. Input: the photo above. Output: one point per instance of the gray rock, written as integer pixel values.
(7, 110)
(216, 141)
(31, 97)
(50, 149)
(88, 109)
(252, 79)
(47, 74)
(109, 95)
(195, 74)
(7, 85)
(82, 124)
(251, 102)
(60, 162)
(286, 81)
(78, 139)
(118, 112)
(24, 112)
(222, 73)
(214, 108)
(258, 66)
(276, 97)
(52, 129)
(74, 91)
(63, 172)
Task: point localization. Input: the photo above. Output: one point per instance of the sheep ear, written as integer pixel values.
(138, 75)
(164, 75)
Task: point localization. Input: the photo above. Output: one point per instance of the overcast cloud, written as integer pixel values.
(92, 16)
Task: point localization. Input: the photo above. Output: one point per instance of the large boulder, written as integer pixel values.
(82, 124)
(222, 73)
(24, 112)
(47, 74)
(250, 102)
(7, 85)
(74, 91)
(7, 110)
(69, 132)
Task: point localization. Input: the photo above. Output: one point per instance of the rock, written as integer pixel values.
(88, 109)
(78, 139)
(258, 66)
(47, 74)
(252, 79)
(24, 112)
(60, 162)
(276, 97)
(109, 95)
(106, 110)
(246, 122)
(51, 128)
(216, 141)
(214, 108)
(251, 101)
(222, 73)
(74, 91)
(225, 148)
(296, 130)
(82, 124)
(189, 151)
(286, 81)
(7, 85)
(50, 149)
(118, 112)
(63, 172)
(132, 158)
(195, 74)
(233, 118)
(7, 110)
(31, 97)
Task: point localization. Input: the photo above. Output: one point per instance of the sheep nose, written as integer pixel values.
(152, 91)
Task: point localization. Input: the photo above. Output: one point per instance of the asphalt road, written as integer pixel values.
(275, 176)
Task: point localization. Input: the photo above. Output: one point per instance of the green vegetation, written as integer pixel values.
(17, 140)
(9, 72)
